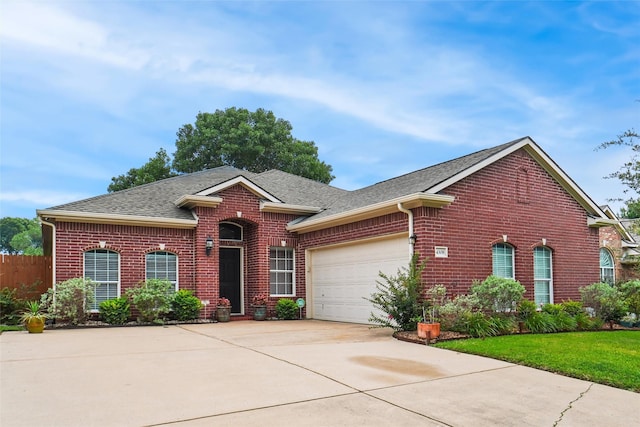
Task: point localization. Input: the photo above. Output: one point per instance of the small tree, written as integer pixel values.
(498, 294)
(70, 300)
(399, 298)
(153, 299)
(606, 301)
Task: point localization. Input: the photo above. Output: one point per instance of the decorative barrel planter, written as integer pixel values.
(35, 326)
(223, 314)
(433, 329)
(259, 312)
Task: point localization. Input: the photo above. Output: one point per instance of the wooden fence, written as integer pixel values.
(30, 275)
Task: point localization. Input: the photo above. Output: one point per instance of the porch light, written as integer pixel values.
(412, 239)
(208, 245)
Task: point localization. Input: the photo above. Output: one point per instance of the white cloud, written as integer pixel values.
(40, 198)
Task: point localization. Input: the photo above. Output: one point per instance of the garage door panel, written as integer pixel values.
(342, 277)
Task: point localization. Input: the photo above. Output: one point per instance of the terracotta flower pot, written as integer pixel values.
(428, 328)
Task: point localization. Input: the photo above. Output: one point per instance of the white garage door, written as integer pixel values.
(342, 277)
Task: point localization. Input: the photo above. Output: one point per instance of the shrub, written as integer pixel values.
(564, 321)
(152, 298)
(552, 309)
(286, 309)
(115, 311)
(573, 308)
(398, 298)
(10, 307)
(606, 301)
(497, 294)
(540, 323)
(453, 313)
(526, 309)
(70, 300)
(185, 305)
(631, 292)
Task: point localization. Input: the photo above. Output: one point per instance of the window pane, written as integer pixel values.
(162, 265)
(281, 275)
(102, 267)
(503, 261)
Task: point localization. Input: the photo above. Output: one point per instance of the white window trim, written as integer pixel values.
(177, 284)
(550, 279)
(293, 272)
(612, 268)
(513, 259)
(119, 283)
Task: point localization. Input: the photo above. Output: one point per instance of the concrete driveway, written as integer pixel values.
(298, 373)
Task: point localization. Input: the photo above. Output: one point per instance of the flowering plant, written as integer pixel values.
(260, 299)
(224, 302)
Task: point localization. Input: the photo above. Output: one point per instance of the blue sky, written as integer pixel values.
(90, 89)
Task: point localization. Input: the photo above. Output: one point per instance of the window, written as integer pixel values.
(607, 272)
(281, 270)
(503, 261)
(542, 276)
(162, 265)
(230, 231)
(103, 267)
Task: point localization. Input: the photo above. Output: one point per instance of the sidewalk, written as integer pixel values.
(303, 373)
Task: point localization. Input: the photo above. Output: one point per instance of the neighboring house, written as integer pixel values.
(619, 254)
(508, 210)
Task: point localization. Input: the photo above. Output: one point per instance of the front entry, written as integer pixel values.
(231, 278)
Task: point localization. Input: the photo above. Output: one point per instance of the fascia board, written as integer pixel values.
(241, 180)
(190, 201)
(371, 211)
(102, 218)
(287, 208)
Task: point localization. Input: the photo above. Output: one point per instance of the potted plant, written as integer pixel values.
(259, 303)
(33, 318)
(430, 325)
(223, 311)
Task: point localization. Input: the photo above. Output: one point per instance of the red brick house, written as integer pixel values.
(508, 210)
(619, 254)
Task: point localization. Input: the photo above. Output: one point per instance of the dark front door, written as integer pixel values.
(230, 283)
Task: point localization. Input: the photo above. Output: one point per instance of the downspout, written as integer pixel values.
(411, 235)
(53, 250)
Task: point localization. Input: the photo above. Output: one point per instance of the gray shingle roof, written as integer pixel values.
(158, 199)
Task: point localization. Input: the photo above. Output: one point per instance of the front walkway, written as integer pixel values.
(303, 373)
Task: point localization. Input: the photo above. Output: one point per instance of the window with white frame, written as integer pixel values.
(503, 261)
(607, 267)
(163, 265)
(281, 271)
(230, 231)
(542, 275)
(102, 266)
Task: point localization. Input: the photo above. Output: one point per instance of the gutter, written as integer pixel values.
(53, 250)
(412, 240)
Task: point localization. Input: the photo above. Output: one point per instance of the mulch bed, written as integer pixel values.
(412, 337)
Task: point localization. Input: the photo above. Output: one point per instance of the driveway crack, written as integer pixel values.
(564, 411)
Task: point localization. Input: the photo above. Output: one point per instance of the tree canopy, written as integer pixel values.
(20, 236)
(255, 141)
(157, 168)
(629, 173)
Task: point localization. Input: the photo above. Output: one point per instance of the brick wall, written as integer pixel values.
(513, 197)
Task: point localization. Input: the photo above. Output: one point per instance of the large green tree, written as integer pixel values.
(20, 235)
(629, 173)
(29, 241)
(255, 141)
(157, 168)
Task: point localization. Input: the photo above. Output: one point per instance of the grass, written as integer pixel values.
(11, 328)
(608, 357)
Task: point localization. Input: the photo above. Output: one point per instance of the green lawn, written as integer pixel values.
(11, 328)
(607, 357)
